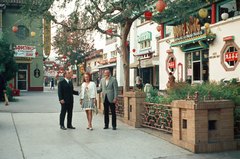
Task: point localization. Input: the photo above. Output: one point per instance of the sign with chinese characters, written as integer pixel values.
(145, 36)
(231, 56)
(24, 51)
(47, 37)
(187, 30)
(50, 73)
(143, 63)
(36, 73)
(82, 69)
(171, 64)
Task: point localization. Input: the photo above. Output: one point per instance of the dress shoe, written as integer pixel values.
(114, 128)
(71, 127)
(63, 128)
(105, 127)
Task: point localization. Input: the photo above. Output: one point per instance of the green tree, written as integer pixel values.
(97, 13)
(8, 66)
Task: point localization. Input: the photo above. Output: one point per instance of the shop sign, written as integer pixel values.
(171, 64)
(231, 56)
(155, 62)
(47, 37)
(24, 51)
(228, 38)
(36, 73)
(82, 69)
(143, 63)
(145, 36)
(50, 73)
(187, 30)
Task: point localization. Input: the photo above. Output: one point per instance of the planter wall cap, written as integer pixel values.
(135, 94)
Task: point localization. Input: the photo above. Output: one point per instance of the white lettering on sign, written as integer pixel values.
(231, 56)
(24, 51)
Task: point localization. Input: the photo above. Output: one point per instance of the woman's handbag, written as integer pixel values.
(6, 100)
(95, 110)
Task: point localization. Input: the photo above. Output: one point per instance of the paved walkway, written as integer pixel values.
(29, 129)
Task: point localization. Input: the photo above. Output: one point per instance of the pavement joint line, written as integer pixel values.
(18, 136)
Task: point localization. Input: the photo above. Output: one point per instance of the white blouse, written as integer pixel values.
(92, 90)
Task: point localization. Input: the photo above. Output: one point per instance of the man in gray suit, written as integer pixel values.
(109, 89)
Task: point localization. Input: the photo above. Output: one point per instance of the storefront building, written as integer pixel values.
(28, 48)
(144, 60)
(199, 53)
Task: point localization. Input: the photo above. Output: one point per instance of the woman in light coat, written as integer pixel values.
(88, 97)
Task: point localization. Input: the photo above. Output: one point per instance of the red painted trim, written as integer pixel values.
(228, 38)
(28, 69)
(213, 13)
(162, 31)
(35, 89)
(180, 64)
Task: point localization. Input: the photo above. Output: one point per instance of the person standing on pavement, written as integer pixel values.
(88, 97)
(2, 87)
(65, 95)
(52, 83)
(109, 89)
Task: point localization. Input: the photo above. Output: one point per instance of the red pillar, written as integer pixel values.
(162, 31)
(213, 13)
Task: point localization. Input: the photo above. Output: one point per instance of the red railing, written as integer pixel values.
(157, 116)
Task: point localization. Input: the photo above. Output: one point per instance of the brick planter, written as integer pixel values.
(203, 126)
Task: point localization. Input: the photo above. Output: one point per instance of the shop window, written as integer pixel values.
(22, 32)
(230, 7)
(105, 56)
(113, 53)
(197, 63)
(145, 44)
(229, 56)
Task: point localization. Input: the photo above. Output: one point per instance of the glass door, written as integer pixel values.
(22, 80)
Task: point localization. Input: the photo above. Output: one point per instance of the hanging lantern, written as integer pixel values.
(83, 63)
(86, 57)
(160, 5)
(98, 62)
(224, 16)
(75, 61)
(36, 53)
(62, 60)
(134, 50)
(203, 13)
(55, 65)
(15, 29)
(158, 28)
(64, 57)
(68, 63)
(110, 31)
(148, 15)
(68, 40)
(191, 19)
(89, 57)
(69, 53)
(101, 53)
(207, 25)
(33, 33)
(61, 68)
(127, 43)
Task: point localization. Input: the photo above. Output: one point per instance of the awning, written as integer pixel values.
(134, 65)
(74, 77)
(148, 63)
(144, 52)
(152, 62)
(109, 65)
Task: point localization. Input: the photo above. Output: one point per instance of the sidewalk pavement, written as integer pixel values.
(29, 129)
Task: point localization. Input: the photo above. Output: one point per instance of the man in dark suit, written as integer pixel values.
(2, 87)
(109, 89)
(65, 94)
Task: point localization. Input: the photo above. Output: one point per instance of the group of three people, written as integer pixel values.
(88, 98)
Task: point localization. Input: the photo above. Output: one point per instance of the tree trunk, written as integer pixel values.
(125, 55)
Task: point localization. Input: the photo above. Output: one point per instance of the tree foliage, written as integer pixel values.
(75, 42)
(8, 66)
